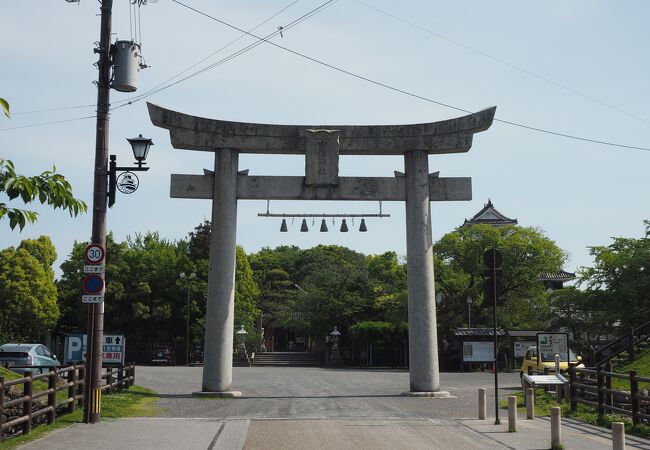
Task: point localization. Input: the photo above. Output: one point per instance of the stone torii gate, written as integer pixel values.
(321, 146)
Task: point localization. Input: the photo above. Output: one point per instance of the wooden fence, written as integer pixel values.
(593, 387)
(73, 381)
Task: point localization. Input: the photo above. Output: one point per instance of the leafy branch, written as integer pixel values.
(49, 188)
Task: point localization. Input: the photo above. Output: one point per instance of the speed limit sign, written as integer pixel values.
(94, 254)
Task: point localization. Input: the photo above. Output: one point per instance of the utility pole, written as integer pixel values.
(95, 328)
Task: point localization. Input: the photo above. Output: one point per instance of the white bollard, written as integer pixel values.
(556, 428)
(530, 403)
(482, 404)
(618, 435)
(512, 414)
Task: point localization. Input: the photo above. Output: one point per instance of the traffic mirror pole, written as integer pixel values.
(95, 327)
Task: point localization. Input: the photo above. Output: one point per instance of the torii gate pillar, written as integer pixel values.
(423, 341)
(220, 312)
(321, 146)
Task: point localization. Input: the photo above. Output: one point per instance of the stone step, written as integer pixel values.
(287, 359)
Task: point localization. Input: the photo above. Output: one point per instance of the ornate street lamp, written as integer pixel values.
(127, 182)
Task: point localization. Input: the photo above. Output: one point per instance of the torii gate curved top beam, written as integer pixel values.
(197, 133)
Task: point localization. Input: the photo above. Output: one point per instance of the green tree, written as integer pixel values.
(246, 293)
(620, 278)
(145, 298)
(336, 290)
(527, 253)
(28, 297)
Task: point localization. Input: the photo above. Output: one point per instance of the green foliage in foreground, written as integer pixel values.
(133, 402)
(49, 188)
(545, 401)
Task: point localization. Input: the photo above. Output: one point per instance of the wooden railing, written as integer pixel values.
(593, 387)
(73, 376)
(624, 343)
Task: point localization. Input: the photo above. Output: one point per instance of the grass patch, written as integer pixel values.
(545, 401)
(133, 402)
(642, 367)
(37, 386)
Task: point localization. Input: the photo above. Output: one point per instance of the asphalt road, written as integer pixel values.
(320, 409)
(320, 393)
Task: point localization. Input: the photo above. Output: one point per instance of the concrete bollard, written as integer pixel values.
(530, 403)
(556, 428)
(618, 436)
(512, 414)
(482, 404)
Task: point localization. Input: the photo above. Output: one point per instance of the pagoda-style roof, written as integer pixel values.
(490, 216)
(561, 276)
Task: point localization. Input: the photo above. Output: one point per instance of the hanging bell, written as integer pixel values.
(323, 227)
(283, 227)
(344, 227)
(304, 226)
(362, 227)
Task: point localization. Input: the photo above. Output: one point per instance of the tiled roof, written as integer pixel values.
(562, 275)
(490, 216)
(458, 332)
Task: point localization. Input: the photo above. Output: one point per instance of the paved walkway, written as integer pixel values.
(312, 408)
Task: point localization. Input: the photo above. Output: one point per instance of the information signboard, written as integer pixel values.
(521, 347)
(478, 351)
(551, 344)
(113, 349)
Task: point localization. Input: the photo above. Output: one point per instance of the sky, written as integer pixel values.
(579, 68)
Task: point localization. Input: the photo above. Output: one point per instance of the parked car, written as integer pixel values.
(36, 355)
(162, 354)
(547, 360)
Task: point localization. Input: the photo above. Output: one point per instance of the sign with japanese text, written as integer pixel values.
(551, 344)
(113, 349)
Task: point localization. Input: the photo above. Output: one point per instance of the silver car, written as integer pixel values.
(36, 355)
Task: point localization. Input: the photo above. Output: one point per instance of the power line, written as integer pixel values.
(130, 100)
(47, 123)
(502, 61)
(408, 93)
(233, 55)
(341, 70)
(156, 89)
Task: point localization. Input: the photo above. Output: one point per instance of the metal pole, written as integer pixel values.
(95, 328)
(496, 358)
(187, 327)
(469, 314)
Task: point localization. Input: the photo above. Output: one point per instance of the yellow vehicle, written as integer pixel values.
(547, 360)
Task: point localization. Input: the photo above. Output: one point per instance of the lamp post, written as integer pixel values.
(334, 336)
(190, 277)
(469, 311)
(106, 183)
(242, 345)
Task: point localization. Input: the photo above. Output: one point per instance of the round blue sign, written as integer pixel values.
(93, 284)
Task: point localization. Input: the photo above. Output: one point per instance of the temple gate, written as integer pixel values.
(321, 146)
